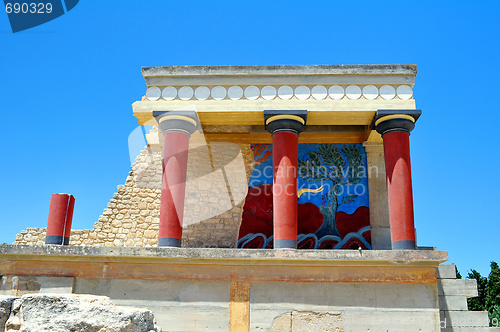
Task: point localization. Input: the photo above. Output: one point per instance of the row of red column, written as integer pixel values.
(285, 127)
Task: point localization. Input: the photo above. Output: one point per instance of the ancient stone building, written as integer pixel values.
(252, 178)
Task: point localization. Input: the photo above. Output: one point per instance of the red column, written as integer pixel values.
(177, 128)
(175, 157)
(60, 218)
(395, 128)
(399, 189)
(285, 163)
(285, 127)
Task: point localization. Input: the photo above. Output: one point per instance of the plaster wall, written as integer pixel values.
(195, 306)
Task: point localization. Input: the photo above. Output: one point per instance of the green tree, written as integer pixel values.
(340, 166)
(493, 294)
(478, 303)
(488, 298)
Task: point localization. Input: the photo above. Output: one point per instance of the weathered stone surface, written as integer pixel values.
(402, 257)
(297, 321)
(5, 308)
(65, 313)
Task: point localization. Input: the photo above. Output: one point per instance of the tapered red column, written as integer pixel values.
(285, 129)
(177, 130)
(60, 219)
(395, 130)
(285, 209)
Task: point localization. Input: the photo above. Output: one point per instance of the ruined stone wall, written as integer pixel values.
(217, 183)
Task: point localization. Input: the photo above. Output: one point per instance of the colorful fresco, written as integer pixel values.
(333, 210)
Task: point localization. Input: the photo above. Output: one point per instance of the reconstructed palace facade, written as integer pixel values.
(268, 198)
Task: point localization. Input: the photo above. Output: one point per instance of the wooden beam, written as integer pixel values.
(265, 138)
(239, 306)
(314, 118)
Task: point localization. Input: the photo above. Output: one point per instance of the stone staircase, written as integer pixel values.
(452, 297)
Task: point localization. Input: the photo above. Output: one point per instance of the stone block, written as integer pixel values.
(149, 234)
(452, 303)
(446, 271)
(5, 309)
(117, 223)
(48, 313)
(463, 287)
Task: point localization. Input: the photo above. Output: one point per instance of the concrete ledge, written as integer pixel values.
(453, 303)
(277, 70)
(464, 287)
(223, 264)
(291, 256)
(464, 319)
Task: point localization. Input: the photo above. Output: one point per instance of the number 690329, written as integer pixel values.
(25, 8)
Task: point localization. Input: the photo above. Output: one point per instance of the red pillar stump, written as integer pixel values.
(285, 129)
(177, 130)
(395, 130)
(60, 218)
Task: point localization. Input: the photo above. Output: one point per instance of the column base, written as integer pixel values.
(404, 245)
(285, 244)
(169, 242)
(54, 239)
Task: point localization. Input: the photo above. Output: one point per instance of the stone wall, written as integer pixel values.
(217, 184)
(212, 289)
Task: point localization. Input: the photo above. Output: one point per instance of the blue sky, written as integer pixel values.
(67, 86)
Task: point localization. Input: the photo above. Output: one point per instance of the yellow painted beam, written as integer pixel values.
(239, 307)
(266, 138)
(82, 267)
(314, 118)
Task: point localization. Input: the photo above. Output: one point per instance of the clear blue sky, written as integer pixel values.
(67, 86)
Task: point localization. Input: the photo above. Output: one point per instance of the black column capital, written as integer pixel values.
(181, 121)
(386, 121)
(286, 120)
